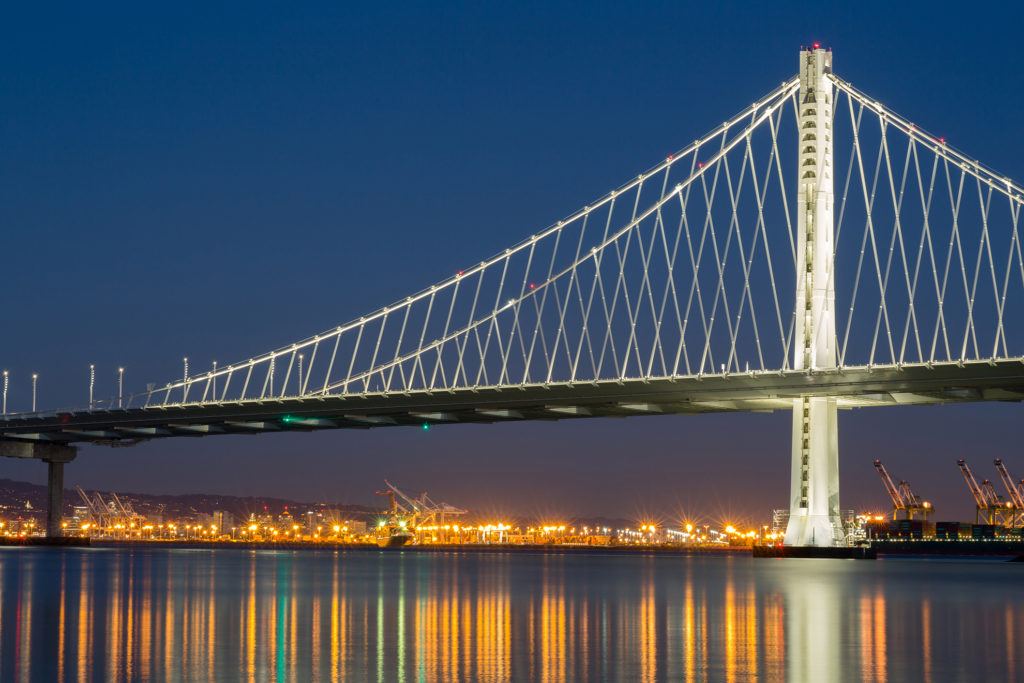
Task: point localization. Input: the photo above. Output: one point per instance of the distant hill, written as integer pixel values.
(24, 499)
(15, 494)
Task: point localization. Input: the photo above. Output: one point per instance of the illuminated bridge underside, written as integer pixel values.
(853, 388)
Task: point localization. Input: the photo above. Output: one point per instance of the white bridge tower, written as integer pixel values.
(814, 506)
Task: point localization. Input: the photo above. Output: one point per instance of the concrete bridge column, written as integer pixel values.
(55, 456)
(814, 502)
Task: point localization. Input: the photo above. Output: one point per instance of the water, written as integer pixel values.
(156, 614)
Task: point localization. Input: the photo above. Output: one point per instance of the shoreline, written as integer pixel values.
(433, 548)
(371, 547)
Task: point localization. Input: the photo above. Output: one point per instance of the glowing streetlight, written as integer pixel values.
(92, 383)
(35, 381)
(6, 382)
(120, 387)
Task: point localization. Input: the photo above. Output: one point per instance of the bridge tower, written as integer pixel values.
(814, 504)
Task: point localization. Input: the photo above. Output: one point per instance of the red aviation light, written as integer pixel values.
(817, 46)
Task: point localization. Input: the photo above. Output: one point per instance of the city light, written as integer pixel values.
(407, 527)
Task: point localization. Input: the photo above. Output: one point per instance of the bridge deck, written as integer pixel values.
(852, 387)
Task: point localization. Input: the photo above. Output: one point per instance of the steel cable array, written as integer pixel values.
(688, 270)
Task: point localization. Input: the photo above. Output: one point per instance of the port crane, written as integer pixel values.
(109, 514)
(989, 505)
(1015, 491)
(1002, 510)
(903, 497)
(406, 513)
(421, 510)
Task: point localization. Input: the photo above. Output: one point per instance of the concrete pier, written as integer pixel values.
(55, 456)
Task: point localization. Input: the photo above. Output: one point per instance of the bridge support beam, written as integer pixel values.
(55, 456)
(814, 502)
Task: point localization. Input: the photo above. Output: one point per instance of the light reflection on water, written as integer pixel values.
(103, 614)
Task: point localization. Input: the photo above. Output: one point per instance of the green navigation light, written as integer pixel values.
(425, 426)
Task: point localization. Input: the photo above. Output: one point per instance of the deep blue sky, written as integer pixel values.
(214, 181)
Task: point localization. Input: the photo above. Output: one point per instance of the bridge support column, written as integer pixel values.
(55, 456)
(814, 502)
(54, 498)
(814, 506)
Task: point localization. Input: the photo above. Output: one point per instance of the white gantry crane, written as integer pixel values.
(421, 510)
(407, 513)
(109, 516)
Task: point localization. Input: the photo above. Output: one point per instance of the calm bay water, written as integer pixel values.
(156, 614)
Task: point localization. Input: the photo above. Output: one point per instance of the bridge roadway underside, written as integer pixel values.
(852, 387)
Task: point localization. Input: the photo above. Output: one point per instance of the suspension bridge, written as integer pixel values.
(815, 252)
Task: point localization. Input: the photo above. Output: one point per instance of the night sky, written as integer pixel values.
(214, 181)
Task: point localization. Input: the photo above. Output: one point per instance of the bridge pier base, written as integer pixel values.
(814, 517)
(55, 456)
